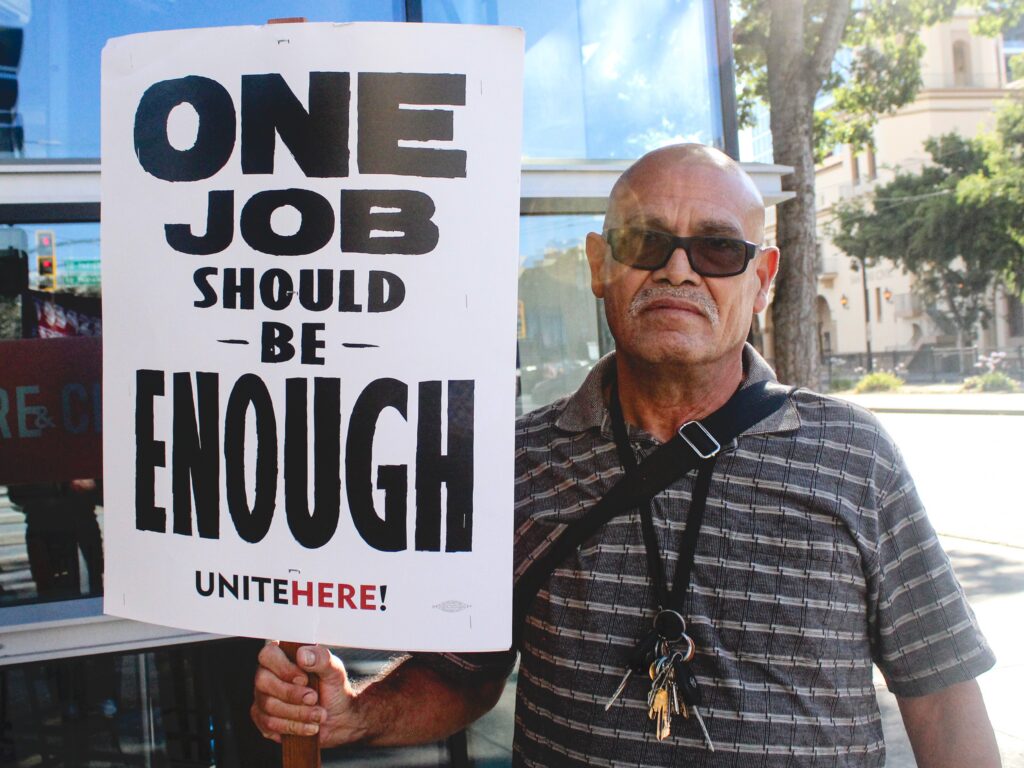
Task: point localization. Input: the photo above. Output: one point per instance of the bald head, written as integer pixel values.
(685, 165)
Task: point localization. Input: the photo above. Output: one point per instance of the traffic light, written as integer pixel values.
(46, 260)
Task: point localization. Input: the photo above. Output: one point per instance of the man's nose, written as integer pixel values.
(676, 270)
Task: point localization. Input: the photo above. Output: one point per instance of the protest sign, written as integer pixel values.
(310, 238)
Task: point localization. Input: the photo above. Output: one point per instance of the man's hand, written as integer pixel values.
(409, 703)
(283, 702)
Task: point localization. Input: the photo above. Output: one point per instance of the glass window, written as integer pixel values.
(188, 706)
(560, 336)
(604, 80)
(52, 49)
(51, 489)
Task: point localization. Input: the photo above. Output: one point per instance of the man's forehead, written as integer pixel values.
(713, 223)
(715, 199)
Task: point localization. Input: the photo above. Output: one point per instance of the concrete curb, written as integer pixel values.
(944, 411)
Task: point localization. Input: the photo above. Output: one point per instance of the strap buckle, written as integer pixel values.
(712, 445)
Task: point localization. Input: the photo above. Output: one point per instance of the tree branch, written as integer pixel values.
(832, 29)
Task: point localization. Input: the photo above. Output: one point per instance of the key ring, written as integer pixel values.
(670, 625)
(691, 649)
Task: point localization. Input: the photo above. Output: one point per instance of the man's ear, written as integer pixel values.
(597, 250)
(766, 266)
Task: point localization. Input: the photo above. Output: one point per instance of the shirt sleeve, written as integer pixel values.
(924, 634)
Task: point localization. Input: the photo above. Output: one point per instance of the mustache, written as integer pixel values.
(647, 296)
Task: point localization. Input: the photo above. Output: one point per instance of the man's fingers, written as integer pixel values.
(273, 727)
(257, 719)
(298, 713)
(320, 661)
(273, 658)
(270, 684)
(285, 703)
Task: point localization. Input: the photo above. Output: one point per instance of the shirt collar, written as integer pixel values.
(585, 409)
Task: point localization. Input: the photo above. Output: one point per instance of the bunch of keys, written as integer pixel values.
(663, 698)
(669, 670)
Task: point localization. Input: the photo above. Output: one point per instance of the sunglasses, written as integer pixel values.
(709, 255)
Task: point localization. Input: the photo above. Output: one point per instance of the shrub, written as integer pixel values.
(880, 381)
(993, 381)
(840, 385)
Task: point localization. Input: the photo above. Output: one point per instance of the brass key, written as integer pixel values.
(661, 713)
(660, 699)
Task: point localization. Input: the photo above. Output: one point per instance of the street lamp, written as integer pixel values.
(867, 311)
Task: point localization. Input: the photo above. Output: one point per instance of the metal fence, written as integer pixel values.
(926, 365)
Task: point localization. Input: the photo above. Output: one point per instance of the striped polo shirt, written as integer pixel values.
(815, 561)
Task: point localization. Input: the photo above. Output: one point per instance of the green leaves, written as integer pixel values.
(877, 69)
(948, 225)
(996, 15)
(998, 186)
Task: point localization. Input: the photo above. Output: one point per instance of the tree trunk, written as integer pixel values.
(794, 319)
(791, 92)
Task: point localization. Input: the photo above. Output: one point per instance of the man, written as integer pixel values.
(814, 559)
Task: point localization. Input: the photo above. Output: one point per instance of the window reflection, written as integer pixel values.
(51, 492)
(179, 706)
(559, 335)
(603, 80)
(56, 78)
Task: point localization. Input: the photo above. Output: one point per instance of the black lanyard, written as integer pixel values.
(693, 447)
(694, 519)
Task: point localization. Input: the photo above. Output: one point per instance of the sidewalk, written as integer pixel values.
(993, 403)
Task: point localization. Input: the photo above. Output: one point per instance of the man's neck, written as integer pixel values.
(660, 398)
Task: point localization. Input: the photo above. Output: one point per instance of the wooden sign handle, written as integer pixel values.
(300, 751)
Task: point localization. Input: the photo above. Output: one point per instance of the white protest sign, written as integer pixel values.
(310, 239)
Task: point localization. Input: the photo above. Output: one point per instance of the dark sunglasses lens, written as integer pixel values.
(712, 256)
(639, 248)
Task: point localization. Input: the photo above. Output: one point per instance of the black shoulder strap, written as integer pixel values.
(695, 443)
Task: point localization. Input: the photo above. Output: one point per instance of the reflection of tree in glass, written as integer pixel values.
(10, 318)
(560, 344)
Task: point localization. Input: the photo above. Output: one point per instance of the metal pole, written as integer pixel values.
(867, 312)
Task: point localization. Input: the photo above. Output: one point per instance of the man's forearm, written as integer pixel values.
(413, 704)
(950, 728)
